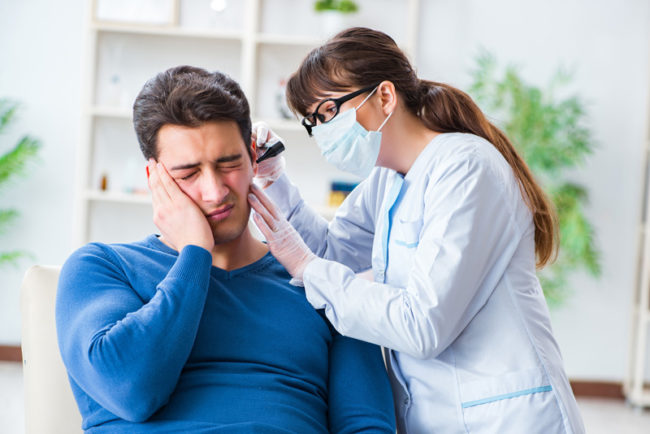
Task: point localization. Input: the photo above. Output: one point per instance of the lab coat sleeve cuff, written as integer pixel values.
(319, 295)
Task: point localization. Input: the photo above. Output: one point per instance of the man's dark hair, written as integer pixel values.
(189, 97)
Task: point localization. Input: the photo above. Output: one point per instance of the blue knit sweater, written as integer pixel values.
(157, 341)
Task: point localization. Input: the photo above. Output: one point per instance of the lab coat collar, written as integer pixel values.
(419, 166)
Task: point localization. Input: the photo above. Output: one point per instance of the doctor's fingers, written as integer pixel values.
(263, 213)
(266, 202)
(260, 134)
(264, 228)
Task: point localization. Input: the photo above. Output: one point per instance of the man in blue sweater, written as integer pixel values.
(198, 330)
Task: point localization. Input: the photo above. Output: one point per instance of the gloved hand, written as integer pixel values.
(268, 170)
(285, 242)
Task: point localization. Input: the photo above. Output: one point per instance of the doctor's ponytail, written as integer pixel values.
(445, 109)
(360, 57)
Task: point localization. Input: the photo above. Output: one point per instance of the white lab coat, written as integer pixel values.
(455, 300)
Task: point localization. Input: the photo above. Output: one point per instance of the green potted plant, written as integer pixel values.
(335, 14)
(343, 6)
(550, 134)
(12, 163)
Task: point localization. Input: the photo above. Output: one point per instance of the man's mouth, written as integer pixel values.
(220, 214)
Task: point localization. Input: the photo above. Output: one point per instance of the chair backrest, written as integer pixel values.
(50, 407)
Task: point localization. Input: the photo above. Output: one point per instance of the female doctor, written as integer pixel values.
(453, 225)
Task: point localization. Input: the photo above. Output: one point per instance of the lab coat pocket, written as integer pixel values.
(512, 403)
(407, 233)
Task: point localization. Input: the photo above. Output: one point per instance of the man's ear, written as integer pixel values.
(253, 154)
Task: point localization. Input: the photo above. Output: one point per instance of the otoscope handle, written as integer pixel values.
(274, 150)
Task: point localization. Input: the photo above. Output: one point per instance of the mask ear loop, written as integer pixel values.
(366, 99)
(385, 120)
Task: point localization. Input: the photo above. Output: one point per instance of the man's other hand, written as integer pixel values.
(179, 219)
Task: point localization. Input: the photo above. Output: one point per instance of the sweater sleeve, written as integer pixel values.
(125, 353)
(360, 398)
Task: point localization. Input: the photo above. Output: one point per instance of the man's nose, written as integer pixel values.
(213, 189)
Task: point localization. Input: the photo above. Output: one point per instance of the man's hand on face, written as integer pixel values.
(180, 220)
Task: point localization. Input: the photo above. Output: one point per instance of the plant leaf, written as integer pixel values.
(15, 160)
(8, 110)
(12, 257)
(550, 135)
(6, 218)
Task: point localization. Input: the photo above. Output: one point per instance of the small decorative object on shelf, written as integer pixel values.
(281, 100)
(339, 190)
(335, 15)
(103, 182)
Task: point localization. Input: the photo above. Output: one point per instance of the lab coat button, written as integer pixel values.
(406, 401)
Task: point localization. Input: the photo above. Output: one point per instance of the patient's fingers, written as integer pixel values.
(158, 193)
(170, 186)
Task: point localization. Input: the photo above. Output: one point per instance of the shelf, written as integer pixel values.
(145, 199)
(162, 30)
(284, 124)
(111, 112)
(297, 41)
(118, 197)
(126, 113)
(258, 53)
(145, 29)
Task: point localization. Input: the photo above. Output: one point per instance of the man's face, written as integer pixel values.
(212, 166)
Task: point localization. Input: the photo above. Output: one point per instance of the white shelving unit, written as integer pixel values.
(637, 385)
(257, 42)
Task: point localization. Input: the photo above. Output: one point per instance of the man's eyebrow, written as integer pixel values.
(185, 166)
(228, 158)
(225, 159)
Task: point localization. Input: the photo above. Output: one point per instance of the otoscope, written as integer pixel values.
(272, 151)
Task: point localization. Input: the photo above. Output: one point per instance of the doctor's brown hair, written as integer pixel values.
(359, 57)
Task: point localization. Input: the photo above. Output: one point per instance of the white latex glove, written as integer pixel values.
(268, 170)
(285, 242)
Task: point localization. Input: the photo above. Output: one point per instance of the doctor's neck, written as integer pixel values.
(404, 137)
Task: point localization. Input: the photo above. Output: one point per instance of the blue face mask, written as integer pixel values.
(347, 145)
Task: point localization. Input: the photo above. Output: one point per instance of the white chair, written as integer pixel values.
(50, 407)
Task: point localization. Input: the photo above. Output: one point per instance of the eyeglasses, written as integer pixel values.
(328, 108)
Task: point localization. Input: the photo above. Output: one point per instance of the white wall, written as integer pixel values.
(40, 66)
(606, 42)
